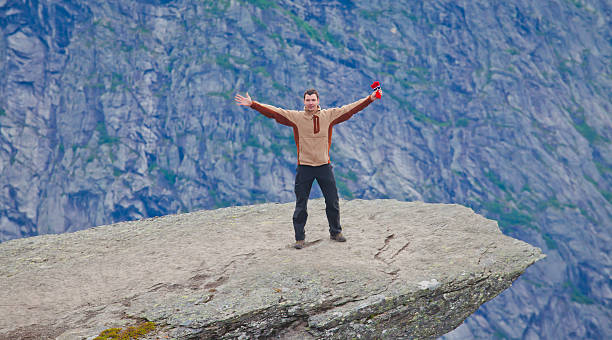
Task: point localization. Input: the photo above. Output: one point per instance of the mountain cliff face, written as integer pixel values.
(120, 110)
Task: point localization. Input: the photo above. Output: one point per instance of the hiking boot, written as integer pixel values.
(299, 244)
(338, 237)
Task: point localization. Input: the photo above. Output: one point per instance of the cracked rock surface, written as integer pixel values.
(409, 269)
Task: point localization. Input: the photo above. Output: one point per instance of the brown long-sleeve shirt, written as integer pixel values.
(312, 130)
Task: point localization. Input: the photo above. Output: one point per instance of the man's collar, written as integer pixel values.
(313, 112)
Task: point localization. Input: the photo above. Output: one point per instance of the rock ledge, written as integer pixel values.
(408, 270)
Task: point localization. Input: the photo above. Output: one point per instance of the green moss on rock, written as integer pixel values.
(132, 332)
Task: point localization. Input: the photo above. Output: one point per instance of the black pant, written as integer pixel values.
(305, 175)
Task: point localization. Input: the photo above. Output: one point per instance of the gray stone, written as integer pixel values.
(408, 270)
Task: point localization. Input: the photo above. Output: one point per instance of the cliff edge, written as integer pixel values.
(409, 269)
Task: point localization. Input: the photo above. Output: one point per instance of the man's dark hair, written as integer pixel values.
(311, 91)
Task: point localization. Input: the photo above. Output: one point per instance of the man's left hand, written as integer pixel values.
(373, 95)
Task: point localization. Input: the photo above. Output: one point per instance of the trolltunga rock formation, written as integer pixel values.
(409, 269)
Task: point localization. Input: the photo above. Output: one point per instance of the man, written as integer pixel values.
(312, 131)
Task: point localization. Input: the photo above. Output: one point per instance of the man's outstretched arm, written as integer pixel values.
(280, 115)
(345, 112)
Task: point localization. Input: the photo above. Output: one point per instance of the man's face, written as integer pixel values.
(311, 102)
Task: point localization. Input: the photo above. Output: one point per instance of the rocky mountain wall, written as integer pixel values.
(120, 110)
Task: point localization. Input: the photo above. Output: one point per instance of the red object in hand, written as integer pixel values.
(376, 86)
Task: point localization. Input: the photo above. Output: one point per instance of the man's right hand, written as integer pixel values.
(240, 100)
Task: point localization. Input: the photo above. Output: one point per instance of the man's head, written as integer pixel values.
(311, 99)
